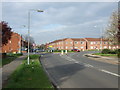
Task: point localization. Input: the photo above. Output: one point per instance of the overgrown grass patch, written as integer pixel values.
(29, 76)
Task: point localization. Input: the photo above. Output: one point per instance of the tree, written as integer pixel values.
(6, 32)
(112, 28)
(31, 41)
(118, 34)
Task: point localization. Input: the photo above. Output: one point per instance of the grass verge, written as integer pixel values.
(29, 76)
(9, 58)
(108, 55)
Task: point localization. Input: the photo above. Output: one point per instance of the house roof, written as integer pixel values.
(95, 39)
(79, 39)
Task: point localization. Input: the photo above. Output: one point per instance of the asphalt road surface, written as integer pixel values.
(77, 71)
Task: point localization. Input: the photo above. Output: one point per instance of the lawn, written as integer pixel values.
(29, 76)
(108, 55)
(9, 58)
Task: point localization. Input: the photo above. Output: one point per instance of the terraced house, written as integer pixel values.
(81, 44)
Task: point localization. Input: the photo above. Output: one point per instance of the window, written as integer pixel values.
(10, 41)
(70, 42)
(91, 42)
(66, 47)
(66, 42)
(105, 46)
(82, 47)
(82, 42)
(76, 47)
(91, 47)
(76, 42)
(109, 47)
(105, 42)
(71, 47)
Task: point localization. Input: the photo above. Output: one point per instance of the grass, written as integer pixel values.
(9, 58)
(108, 55)
(29, 76)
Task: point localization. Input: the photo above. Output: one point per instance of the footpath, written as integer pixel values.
(8, 69)
(111, 60)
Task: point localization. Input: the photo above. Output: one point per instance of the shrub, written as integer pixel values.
(118, 53)
(106, 51)
(4, 55)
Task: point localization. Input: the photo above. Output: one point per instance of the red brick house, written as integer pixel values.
(13, 45)
(81, 44)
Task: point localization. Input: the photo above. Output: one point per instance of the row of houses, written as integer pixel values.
(81, 44)
(16, 44)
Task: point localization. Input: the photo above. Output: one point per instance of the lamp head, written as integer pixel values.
(39, 10)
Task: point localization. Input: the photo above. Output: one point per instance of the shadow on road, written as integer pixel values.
(62, 73)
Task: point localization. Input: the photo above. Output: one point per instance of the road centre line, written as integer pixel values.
(109, 72)
(88, 65)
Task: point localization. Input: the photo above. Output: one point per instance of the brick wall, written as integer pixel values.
(13, 44)
(81, 44)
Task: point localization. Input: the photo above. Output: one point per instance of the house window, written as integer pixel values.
(105, 42)
(10, 41)
(82, 42)
(91, 47)
(70, 42)
(66, 47)
(82, 47)
(76, 42)
(105, 46)
(76, 47)
(71, 47)
(66, 42)
(91, 42)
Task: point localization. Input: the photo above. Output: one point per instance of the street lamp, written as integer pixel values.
(101, 34)
(28, 60)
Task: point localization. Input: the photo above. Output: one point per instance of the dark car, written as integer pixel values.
(77, 50)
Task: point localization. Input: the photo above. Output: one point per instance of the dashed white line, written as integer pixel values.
(109, 72)
(88, 65)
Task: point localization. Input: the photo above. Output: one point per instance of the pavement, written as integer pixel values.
(111, 60)
(77, 71)
(8, 69)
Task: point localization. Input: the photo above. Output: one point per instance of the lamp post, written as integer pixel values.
(28, 60)
(101, 33)
(62, 47)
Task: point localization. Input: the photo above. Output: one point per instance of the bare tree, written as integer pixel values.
(26, 39)
(112, 28)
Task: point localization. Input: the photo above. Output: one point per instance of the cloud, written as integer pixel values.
(59, 20)
(60, 0)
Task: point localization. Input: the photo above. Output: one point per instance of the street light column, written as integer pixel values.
(28, 37)
(28, 60)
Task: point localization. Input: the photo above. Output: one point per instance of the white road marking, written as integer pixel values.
(76, 62)
(109, 72)
(88, 65)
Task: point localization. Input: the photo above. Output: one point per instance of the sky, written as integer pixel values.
(59, 19)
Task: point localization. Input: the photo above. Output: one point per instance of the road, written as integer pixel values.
(77, 71)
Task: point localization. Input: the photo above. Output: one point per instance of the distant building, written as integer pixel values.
(81, 44)
(13, 45)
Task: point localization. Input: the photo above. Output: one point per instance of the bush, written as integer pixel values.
(118, 53)
(106, 51)
(4, 55)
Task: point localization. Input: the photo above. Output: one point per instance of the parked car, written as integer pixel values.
(76, 50)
